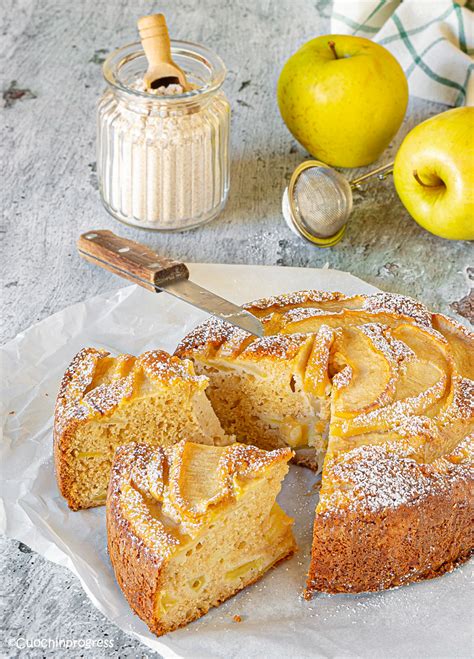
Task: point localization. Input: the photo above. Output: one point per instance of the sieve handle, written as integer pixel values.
(383, 171)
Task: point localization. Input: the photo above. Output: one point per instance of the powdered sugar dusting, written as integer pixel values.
(208, 337)
(161, 366)
(343, 378)
(399, 415)
(375, 478)
(297, 314)
(462, 405)
(394, 350)
(389, 472)
(248, 461)
(277, 346)
(295, 299)
(398, 304)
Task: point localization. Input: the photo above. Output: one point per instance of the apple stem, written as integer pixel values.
(332, 46)
(425, 185)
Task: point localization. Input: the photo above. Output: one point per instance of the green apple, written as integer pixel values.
(343, 98)
(434, 174)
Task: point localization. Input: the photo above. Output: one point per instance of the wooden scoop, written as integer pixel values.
(162, 71)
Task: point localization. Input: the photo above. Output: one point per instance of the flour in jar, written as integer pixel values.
(167, 156)
(162, 90)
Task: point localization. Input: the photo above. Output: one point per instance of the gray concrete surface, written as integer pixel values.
(50, 57)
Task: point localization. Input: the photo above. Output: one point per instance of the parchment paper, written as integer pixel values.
(430, 619)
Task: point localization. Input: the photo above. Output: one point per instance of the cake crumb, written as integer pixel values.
(237, 618)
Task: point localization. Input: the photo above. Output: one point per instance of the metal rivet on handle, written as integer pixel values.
(122, 250)
(154, 265)
(91, 236)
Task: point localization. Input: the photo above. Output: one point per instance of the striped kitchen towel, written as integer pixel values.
(432, 39)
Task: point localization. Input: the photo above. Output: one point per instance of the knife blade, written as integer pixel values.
(192, 293)
(139, 264)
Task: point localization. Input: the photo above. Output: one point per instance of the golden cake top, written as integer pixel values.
(95, 383)
(303, 311)
(395, 372)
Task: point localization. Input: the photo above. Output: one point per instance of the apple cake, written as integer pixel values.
(379, 393)
(192, 524)
(106, 401)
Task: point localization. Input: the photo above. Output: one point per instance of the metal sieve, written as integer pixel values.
(318, 201)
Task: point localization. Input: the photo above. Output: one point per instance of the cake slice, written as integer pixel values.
(190, 525)
(106, 401)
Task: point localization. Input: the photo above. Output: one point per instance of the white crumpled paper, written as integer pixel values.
(430, 619)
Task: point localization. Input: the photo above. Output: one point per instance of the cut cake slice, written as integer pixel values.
(191, 525)
(107, 401)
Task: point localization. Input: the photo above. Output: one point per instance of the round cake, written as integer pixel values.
(378, 393)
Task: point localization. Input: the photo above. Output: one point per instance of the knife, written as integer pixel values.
(144, 267)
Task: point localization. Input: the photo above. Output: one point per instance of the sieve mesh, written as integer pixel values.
(323, 200)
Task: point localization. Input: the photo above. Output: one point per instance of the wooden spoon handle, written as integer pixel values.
(155, 39)
(129, 259)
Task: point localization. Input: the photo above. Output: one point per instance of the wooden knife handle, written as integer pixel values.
(129, 259)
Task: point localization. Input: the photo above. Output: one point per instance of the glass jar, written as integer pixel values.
(163, 161)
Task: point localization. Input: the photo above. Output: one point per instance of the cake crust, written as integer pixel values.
(401, 522)
(139, 565)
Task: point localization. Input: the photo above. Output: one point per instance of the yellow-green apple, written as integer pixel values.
(343, 98)
(434, 174)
